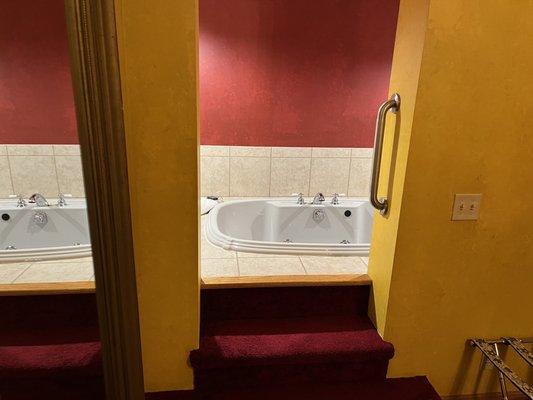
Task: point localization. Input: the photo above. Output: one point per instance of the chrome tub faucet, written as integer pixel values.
(39, 200)
(318, 199)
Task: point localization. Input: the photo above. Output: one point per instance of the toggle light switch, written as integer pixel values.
(466, 207)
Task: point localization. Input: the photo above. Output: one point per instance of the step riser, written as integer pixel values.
(284, 302)
(264, 376)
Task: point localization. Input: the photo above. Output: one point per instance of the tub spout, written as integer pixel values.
(39, 200)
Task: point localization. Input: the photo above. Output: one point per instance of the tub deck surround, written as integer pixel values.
(282, 226)
(246, 171)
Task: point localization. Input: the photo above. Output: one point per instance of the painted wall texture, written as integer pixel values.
(158, 61)
(36, 100)
(451, 281)
(294, 73)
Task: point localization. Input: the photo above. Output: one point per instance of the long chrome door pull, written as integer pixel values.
(393, 104)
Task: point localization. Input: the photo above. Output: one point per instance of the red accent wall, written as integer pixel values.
(36, 100)
(294, 72)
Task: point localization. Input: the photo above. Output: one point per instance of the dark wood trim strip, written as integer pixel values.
(31, 289)
(97, 92)
(285, 280)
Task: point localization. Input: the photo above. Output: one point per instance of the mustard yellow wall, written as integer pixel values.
(472, 132)
(158, 60)
(410, 36)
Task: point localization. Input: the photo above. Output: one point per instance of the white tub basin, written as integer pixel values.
(281, 226)
(64, 235)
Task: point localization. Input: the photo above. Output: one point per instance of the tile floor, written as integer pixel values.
(70, 270)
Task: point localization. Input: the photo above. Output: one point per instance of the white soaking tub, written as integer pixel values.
(34, 233)
(281, 226)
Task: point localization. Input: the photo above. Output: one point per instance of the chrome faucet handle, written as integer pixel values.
(335, 198)
(20, 200)
(300, 200)
(61, 199)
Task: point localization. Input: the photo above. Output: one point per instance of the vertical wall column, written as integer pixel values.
(158, 60)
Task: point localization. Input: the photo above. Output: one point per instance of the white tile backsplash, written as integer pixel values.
(245, 171)
(46, 169)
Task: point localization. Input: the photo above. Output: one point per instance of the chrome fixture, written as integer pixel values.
(318, 199)
(40, 218)
(61, 199)
(39, 200)
(335, 198)
(393, 104)
(20, 200)
(300, 199)
(287, 241)
(11, 247)
(318, 215)
(345, 241)
(489, 349)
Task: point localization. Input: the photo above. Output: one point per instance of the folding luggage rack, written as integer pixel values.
(491, 352)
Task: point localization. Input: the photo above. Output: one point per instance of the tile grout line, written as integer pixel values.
(303, 265)
(349, 176)
(55, 169)
(270, 175)
(22, 273)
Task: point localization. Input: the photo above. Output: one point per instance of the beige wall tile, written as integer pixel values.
(3, 150)
(210, 268)
(270, 266)
(285, 152)
(360, 172)
(329, 175)
(6, 188)
(249, 176)
(331, 152)
(333, 265)
(67, 149)
(214, 176)
(250, 151)
(363, 152)
(214, 151)
(70, 175)
(290, 175)
(30, 150)
(34, 174)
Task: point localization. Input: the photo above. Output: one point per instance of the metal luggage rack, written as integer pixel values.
(491, 352)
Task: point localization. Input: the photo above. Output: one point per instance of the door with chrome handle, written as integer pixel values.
(393, 104)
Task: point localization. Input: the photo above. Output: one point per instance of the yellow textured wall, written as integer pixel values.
(410, 36)
(158, 60)
(471, 133)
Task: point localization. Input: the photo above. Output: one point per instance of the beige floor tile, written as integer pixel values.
(211, 267)
(242, 254)
(69, 260)
(365, 260)
(317, 265)
(10, 271)
(60, 272)
(270, 266)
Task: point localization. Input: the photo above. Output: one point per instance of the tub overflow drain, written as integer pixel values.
(345, 241)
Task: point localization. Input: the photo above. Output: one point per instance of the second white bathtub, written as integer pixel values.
(280, 226)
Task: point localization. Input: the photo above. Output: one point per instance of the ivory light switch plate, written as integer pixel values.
(466, 207)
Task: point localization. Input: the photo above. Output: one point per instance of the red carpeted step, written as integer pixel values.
(48, 338)
(415, 388)
(283, 302)
(249, 352)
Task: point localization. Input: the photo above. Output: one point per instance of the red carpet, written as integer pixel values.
(416, 388)
(292, 336)
(49, 348)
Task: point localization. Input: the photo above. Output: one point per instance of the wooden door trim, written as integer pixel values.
(97, 91)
